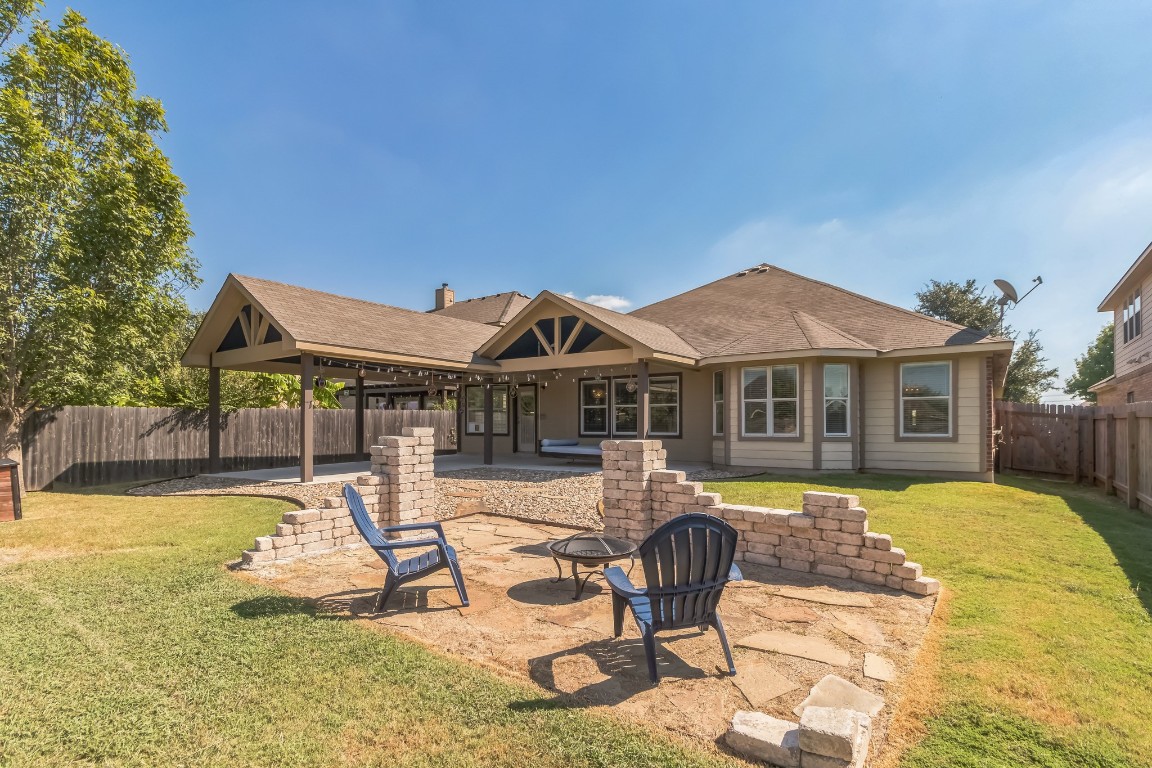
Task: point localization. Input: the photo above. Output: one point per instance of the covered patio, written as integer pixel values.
(264, 326)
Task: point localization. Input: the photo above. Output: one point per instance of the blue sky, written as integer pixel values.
(638, 149)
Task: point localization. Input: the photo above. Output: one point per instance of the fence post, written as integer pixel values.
(1133, 459)
(1109, 452)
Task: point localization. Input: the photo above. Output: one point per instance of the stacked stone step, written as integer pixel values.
(859, 554)
(400, 489)
(405, 467)
(825, 737)
(628, 466)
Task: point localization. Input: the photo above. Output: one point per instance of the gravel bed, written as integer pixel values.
(565, 498)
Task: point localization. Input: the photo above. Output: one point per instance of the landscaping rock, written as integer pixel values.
(814, 648)
(830, 732)
(826, 596)
(760, 683)
(790, 613)
(760, 737)
(878, 667)
(859, 628)
(838, 693)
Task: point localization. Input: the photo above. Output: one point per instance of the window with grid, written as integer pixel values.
(664, 406)
(474, 409)
(836, 400)
(771, 401)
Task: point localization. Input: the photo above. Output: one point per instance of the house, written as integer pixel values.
(764, 368)
(1132, 380)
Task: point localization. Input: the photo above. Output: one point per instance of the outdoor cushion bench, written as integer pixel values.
(569, 449)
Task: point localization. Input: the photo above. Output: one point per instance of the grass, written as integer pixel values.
(1046, 655)
(124, 641)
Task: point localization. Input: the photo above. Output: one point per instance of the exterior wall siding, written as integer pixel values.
(770, 453)
(885, 452)
(1134, 350)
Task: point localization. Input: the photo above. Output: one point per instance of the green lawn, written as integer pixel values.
(124, 641)
(1046, 657)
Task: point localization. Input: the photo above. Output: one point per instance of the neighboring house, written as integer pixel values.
(1132, 380)
(763, 368)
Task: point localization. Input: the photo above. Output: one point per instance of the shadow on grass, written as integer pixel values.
(857, 480)
(274, 605)
(1127, 532)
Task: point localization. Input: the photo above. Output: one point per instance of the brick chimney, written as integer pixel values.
(445, 296)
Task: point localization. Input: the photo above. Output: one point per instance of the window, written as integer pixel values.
(926, 399)
(836, 400)
(718, 403)
(474, 409)
(621, 397)
(771, 402)
(1131, 318)
(594, 407)
(664, 406)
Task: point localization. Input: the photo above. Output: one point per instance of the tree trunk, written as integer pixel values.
(10, 447)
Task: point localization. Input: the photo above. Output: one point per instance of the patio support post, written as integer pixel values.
(488, 421)
(306, 441)
(213, 419)
(359, 449)
(642, 400)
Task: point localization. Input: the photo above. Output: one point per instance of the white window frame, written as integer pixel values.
(1131, 317)
(949, 398)
(718, 418)
(847, 399)
(769, 403)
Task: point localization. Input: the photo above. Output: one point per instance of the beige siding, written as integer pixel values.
(837, 455)
(881, 448)
(775, 454)
(1128, 354)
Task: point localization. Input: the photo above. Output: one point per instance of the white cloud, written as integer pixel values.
(1079, 220)
(615, 303)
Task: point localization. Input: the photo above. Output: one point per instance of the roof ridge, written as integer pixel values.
(879, 303)
(833, 328)
(242, 278)
(804, 333)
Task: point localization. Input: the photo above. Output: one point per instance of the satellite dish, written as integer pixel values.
(1009, 292)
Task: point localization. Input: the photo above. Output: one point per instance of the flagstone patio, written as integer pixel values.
(788, 630)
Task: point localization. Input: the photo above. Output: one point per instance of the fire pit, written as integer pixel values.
(591, 550)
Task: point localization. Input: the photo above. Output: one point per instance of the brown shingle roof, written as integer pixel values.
(325, 318)
(768, 309)
(496, 309)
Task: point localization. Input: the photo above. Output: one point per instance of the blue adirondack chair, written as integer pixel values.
(402, 571)
(687, 561)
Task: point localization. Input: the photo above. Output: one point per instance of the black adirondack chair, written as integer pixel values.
(687, 561)
(439, 555)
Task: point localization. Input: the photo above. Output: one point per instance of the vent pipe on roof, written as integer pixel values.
(445, 296)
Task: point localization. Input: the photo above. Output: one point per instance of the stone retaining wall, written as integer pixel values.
(401, 489)
(829, 537)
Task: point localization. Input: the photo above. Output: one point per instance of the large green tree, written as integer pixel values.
(966, 304)
(1095, 365)
(94, 255)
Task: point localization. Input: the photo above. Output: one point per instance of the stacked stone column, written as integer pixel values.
(401, 489)
(404, 464)
(628, 466)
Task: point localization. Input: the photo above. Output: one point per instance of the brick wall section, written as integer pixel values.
(400, 489)
(829, 537)
(1138, 383)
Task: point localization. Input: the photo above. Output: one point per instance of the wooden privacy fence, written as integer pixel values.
(1109, 446)
(89, 446)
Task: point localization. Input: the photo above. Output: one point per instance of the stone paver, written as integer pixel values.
(814, 648)
(838, 693)
(859, 628)
(760, 683)
(826, 596)
(831, 732)
(792, 613)
(878, 668)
